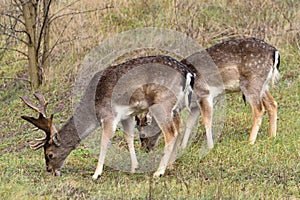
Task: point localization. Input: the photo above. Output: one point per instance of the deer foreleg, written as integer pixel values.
(107, 134)
(170, 140)
(165, 121)
(206, 106)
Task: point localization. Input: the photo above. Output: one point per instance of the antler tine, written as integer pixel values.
(40, 142)
(42, 101)
(28, 102)
(37, 145)
(31, 105)
(42, 138)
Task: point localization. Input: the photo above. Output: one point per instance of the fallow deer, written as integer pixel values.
(117, 94)
(247, 65)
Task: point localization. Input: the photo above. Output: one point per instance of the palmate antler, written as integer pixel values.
(43, 122)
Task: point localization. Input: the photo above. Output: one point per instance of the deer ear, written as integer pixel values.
(56, 139)
(54, 136)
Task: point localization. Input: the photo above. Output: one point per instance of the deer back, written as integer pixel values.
(236, 60)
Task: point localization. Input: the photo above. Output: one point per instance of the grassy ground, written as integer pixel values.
(270, 169)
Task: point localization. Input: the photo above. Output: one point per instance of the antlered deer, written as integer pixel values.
(247, 65)
(112, 97)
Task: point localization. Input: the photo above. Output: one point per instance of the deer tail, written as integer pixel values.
(275, 70)
(189, 85)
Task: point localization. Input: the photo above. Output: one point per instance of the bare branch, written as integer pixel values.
(79, 12)
(297, 38)
(73, 39)
(14, 61)
(43, 26)
(61, 33)
(67, 6)
(18, 5)
(13, 78)
(12, 49)
(14, 36)
(65, 41)
(14, 17)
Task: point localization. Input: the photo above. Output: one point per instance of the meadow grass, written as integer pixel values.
(270, 169)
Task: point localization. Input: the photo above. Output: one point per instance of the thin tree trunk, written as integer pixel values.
(46, 45)
(30, 16)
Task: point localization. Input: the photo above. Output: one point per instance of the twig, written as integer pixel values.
(79, 12)
(43, 27)
(20, 79)
(297, 43)
(11, 16)
(73, 39)
(56, 42)
(69, 5)
(13, 36)
(12, 49)
(14, 61)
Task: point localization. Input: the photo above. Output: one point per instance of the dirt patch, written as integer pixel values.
(8, 135)
(17, 148)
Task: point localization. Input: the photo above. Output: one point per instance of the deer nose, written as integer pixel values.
(57, 172)
(49, 169)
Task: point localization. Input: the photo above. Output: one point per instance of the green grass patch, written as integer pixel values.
(270, 169)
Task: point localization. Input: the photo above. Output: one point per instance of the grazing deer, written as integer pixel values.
(247, 65)
(159, 84)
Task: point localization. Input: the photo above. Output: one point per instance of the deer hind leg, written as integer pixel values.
(206, 106)
(107, 134)
(258, 112)
(271, 106)
(128, 126)
(165, 121)
(190, 123)
(178, 139)
(253, 97)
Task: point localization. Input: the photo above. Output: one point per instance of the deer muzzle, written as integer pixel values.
(55, 172)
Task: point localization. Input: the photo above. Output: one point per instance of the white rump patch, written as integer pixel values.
(188, 89)
(275, 74)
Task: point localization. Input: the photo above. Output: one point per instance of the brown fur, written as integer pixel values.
(246, 62)
(97, 108)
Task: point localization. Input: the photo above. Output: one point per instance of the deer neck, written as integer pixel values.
(67, 136)
(78, 127)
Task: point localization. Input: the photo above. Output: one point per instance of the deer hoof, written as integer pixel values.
(251, 142)
(133, 170)
(158, 174)
(96, 176)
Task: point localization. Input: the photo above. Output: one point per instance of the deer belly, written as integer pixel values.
(231, 79)
(232, 86)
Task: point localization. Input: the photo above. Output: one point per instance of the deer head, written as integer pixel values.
(51, 139)
(149, 131)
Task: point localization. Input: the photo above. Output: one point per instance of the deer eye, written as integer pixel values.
(50, 155)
